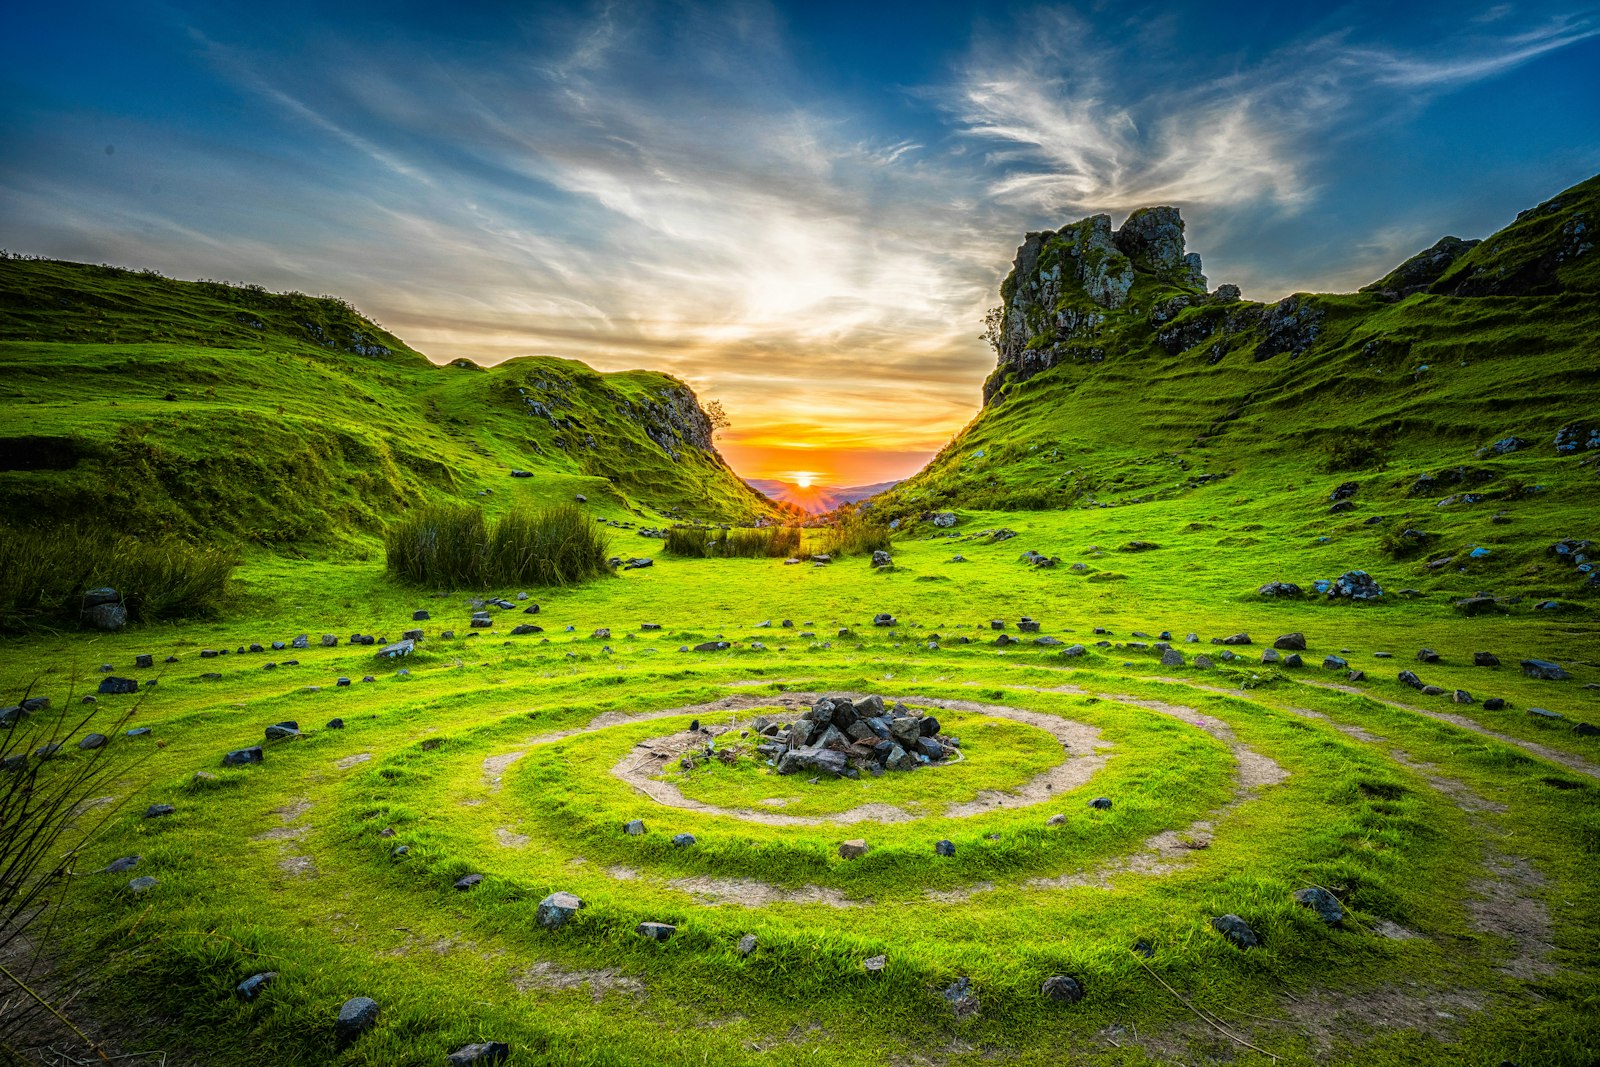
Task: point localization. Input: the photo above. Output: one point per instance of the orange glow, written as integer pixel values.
(803, 479)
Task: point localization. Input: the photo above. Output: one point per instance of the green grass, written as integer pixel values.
(1413, 809)
(700, 542)
(454, 547)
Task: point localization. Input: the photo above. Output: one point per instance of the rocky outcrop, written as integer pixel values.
(1421, 270)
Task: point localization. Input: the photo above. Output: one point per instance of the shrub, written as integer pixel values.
(855, 536)
(452, 546)
(43, 574)
(699, 542)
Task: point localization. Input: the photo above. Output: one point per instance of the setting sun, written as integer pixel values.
(803, 479)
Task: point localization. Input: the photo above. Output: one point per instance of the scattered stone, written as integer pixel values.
(747, 944)
(1355, 585)
(853, 849)
(1204, 663)
(281, 731)
(1357, 676)
(1428, 655)
(1432, 691)
(400, 648)
(1172, 658)
(466, 882)
(92, 741)
(944, 848)
(1293, 660)
(1056, 820)
(1545, 713)
(255, 985)
(1485, 659)
(1073, 651)
(1331, 662)
(155, 811)
(1280, 589)
(1101, 803)
(881, 559)
(874, 965)
(711, 646)
(555, 909)
(525, 629)
(962, 1000)
(656, 931)
(241, 756)
(483, 1051)
(338, 724)
(1409, 678)
(126, 863)
(1533, 668)
(634, 828)
(117, 686)
(683, 840)
(1235, 639)
(1494, 704)
(1461, 696)
(142, 883)
(1295, 642)
(1237, 931)
(1319, 900)
(356, 1016)
(1061, 989)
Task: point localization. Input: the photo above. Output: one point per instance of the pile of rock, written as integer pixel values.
(845, 737)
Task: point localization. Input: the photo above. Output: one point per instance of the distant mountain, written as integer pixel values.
(818, 498)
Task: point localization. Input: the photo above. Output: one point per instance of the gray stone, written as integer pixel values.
(283, 731)
(1319, 900)
(525, 629)
(961, 998)
(683, 840)
(1485, 659)
(1543, 669)
(330, 640)
(747, 944)
(1172, 658)
(853, 849)
(874, 965)
(1101, 803)
(241, 756)
(420, 615)
(356, 1016)
(142, 883)
(255, 985)
(156, 811)
(1073, 651)
(92, 741)
(944, 848)
(303, 641)
(144, 661)
(656, 931)
(482, 1052)
(466, 882)
(398, 649)
(555, 909)
(1204, 663)
(1335, 663)
(126, 863)
(107, 617)
(1237, 931)
(634, 828)
(117, 686)
(1295, 642)
(1061, 989)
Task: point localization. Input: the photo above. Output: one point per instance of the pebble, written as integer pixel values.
(356, 1016)
(479, 1053)
(1061, 989)
(656, 931)
(255, 985)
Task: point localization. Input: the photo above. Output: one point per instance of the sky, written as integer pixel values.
(802, 209)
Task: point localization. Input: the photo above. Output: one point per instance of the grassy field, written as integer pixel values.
(1457, 827)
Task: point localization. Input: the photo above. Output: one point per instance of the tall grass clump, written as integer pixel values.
(44, 573)
(700, 542)
(452, 546)
(855, 536)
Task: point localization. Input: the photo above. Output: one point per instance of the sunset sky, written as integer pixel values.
(801, 209)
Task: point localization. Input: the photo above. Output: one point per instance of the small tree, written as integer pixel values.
(718, 417)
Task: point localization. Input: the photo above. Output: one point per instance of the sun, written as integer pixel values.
(803, 479)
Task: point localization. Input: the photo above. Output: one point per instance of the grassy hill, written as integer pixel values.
(202, 407)
(1196, 411)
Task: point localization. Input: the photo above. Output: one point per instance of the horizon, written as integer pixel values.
(764, 200)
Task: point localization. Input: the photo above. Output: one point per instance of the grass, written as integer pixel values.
(855, 535)
(700, 542)
(1475, 829)
(454, 547)
(44, 573)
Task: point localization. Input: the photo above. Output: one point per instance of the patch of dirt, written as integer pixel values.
(281, 833)
(546, 976)
(1505, 903)
(495, 766)
(350, 761)
(1393, 931)
(293, 810)
(297, 866)
(622, 874)
(750, 893)
(1329, 1018)
(414, 945)
(508, 839)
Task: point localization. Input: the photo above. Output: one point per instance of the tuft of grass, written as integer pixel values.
(453, 547)
(43, 575)
(699, 542)
(855, 536)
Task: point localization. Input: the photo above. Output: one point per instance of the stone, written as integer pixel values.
(962, 1000)
(1204, 663)
(1172, 658)
(1356, 676)
(1101, 803)
(1584, 729)
(1073, 651)
(634, 828)
(466, 882)
(1432, 691)
(107, 617)
(302, 641)
(853, 849)
(555, 909)
(1428, 655)
(1355, 585)
(1331, 662)
(481, 1052)
(1409, 678)
(1280, 589)
(1237, 931)
(241, 756)
(283, 731)
(880, 558)
(656, 931)
(1485, 659)
(1270, 655)
(356, 1016)
(92, 741)
(1319, 900)
(156, 811)
(330, 641)
(1061, 989)
(255, 985)
(747, 944)
(874, 965)
(1293, 660)
(144, 661)
(1478, 605)
(944, 848)
(525, 629)
(1545, 713)
(1494, 704)
(1235, 639)
(711, 646)
(1461, 696)
(126, 863)
(398, 649)
(1533, 668)
(1295, 642)
(604, 633)
(683, 840)
(117, 686)
(142, 883)
(1056, 820)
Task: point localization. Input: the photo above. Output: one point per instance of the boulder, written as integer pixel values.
(555, 909)
(1485, 659)
(1280, 589)
(1409, 678)
(107, 617)
(117, 686)
(398, 649)
(241, 756)
(356, 1016)
(880, 558)
(1355, 585)
(1235, 639)
(525, 629)
(1295, 642)
(282, 731)
(634, 827)
(1237, 931)
(1319, 900)
(1494, 704)
(482, 1052)
(1533, 668)
(944, 848)
(92, 741)
(1331, 662)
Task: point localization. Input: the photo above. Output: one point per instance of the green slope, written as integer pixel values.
(1121, 382)
(156, 404)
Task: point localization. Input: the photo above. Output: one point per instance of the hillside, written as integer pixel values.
(164, 405)
(1459, 397)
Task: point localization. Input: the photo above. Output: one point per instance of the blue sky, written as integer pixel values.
(803, 209)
